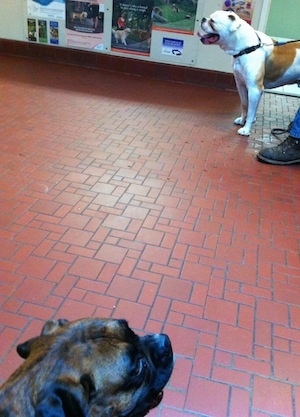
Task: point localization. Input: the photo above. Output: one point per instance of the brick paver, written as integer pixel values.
(128, 197)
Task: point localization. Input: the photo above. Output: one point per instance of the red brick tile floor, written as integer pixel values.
(129, 197)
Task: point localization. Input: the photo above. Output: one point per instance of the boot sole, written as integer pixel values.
(274, 162)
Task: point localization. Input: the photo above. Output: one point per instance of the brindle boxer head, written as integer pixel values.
(88, 368)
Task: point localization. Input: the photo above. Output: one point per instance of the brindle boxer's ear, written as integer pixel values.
(24, 349)
(88, 385)
(62, 400)
(52, 325)
(103, 411)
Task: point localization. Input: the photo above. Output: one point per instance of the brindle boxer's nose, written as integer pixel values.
(161, 351)
(165, 345)
(159, 347)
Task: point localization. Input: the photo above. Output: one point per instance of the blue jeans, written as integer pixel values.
(295, 130)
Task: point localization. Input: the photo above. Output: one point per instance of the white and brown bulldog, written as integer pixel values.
(258, 61)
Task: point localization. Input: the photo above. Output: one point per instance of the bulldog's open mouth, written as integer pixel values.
(209, 38)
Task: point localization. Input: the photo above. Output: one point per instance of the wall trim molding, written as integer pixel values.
(128, 65)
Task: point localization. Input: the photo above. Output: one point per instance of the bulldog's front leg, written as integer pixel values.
(254, 96)
(243, 93)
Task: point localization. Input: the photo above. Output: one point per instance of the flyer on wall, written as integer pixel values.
(176, 17)
(54, 33)
(37, 30)
(244, 9)
(132, 26)
(47, 9)
(42, 31)
(84, 24)
(31, 30)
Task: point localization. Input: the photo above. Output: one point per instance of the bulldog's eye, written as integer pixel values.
(141, 366)
(212, 23)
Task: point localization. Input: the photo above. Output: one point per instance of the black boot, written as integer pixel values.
(287, 153)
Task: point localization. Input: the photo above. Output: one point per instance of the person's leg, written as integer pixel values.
(295, 130)
(288, 152)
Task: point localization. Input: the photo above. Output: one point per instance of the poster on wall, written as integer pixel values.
(244, 9)
(50, 9)
(84, 24)
(178, 16)
(132, 26)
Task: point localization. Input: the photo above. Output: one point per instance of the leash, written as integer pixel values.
(281, 43)
(279, 131)
(260, 44)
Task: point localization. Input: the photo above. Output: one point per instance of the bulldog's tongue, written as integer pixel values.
(209, 38)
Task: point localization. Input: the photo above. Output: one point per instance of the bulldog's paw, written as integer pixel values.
(244, 131)
(240, 121)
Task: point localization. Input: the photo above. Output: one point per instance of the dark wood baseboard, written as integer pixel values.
(127, 65)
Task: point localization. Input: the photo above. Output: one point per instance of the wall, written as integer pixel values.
(195, 55)
(283, 19)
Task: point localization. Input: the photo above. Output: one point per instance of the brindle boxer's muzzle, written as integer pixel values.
(88, 368)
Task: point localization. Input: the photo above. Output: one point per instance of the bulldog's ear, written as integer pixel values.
(235, 22)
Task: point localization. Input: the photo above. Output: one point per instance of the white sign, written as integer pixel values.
(172, 47)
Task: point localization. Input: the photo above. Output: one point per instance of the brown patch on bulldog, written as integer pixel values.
(89, 367)
(280, 60)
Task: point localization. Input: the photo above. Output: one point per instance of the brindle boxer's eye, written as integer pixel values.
(140, 366)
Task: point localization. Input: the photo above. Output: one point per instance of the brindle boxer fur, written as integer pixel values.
(88, 368)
